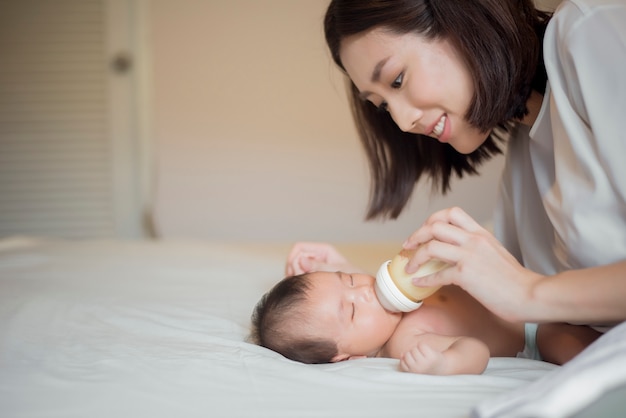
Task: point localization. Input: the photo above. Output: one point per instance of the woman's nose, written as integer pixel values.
(405, 117)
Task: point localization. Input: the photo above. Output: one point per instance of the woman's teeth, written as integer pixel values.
(439, 127)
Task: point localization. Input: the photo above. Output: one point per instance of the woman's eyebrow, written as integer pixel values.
(378, 69)
(375, 77)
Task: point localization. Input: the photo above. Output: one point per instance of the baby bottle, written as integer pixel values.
(393, 285)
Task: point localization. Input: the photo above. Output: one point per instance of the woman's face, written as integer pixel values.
(423, 84)
(345, 309)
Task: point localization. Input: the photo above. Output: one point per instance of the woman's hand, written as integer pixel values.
(479, 263)
(306, 257)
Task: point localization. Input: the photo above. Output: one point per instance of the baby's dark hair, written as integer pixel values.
(280, 324)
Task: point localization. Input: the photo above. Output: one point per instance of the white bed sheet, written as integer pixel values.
(157, 329)
(592, 385)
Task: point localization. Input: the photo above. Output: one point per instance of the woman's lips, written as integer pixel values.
(439, 126)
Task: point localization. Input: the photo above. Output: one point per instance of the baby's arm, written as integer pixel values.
(443, 355)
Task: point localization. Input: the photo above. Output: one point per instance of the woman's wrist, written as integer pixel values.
(587, 296)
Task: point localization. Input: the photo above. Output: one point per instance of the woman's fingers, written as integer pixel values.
(448, 235)
(455, 216)
(444, 225)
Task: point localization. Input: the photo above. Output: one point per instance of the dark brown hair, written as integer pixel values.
(499, 40)
(278, 322)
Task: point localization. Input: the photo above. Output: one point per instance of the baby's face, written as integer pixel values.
(344, 308)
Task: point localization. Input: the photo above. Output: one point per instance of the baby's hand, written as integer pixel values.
(423, 359)
(306, 257)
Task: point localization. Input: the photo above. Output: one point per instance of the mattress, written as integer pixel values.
(103, 328)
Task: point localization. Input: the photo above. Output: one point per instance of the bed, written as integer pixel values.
(113, 328)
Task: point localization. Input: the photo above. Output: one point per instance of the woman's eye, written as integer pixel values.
(397, 83)
(353, 310)
(351, 281)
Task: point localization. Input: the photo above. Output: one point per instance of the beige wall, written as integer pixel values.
(547, 4)
(254, 140)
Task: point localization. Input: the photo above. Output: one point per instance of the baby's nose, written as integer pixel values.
(366, 293)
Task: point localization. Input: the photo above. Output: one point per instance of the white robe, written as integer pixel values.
(562, 199)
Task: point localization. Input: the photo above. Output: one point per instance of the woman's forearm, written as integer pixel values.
(595, 295)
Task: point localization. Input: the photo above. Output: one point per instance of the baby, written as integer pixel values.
(323, 317)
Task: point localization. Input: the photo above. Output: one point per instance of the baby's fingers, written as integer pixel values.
(418, 359)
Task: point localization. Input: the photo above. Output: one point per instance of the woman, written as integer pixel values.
(436, 86)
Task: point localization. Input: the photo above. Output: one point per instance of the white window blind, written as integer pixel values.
(57, 157)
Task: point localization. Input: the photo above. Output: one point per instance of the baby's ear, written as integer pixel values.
(344, 357)
(340, 357)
